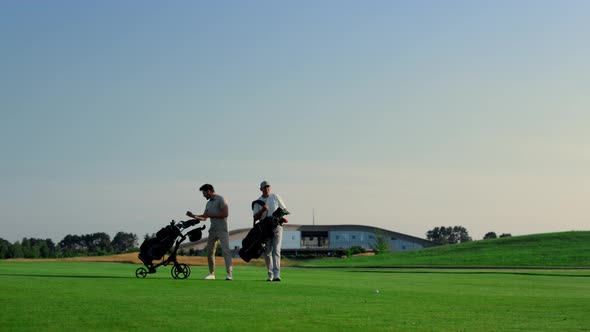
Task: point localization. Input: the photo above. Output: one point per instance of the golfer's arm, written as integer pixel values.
(203, 216)
(259, 213)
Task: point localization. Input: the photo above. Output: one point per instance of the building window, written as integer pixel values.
(337, 237)
(353, 237)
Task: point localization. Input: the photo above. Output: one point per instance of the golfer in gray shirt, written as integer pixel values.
(217, 210)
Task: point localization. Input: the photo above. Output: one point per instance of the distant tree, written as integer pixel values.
(71, 243)
(463, 234)
(5, 248)
(40, 247)
(506, 235)
(36, 248)
(490, 235)
(354, 250)
(448, 235)
(124, 241)
(348, 252)
(381, 244)
(27, 248)
(51, 249)
(437, 235)
(43, 249)
(17, 250)
(97, 243)
(87, 244)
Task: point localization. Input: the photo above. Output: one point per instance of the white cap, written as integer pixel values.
(264, 184)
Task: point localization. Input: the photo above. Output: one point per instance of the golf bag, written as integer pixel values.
(155, 248)
(253, 244)
(167, 240)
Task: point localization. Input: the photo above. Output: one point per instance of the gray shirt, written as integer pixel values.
(214, 206)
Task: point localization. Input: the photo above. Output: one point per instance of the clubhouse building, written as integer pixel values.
(324, 240)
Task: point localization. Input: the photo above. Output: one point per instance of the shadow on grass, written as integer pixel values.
(62, 276)
(121, 277)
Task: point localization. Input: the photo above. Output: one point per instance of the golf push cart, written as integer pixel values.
(167, 237)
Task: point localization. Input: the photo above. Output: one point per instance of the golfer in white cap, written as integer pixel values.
(272, 254)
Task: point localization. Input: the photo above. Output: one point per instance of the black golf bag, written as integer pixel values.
(167, 240)
(155, 248)
(253, 243)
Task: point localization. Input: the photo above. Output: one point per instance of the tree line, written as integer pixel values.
(456, 234)
(95, 244)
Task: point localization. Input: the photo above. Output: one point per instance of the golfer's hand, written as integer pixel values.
(190, 214)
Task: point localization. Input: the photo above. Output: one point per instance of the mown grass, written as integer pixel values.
(76, 296)
(557, 250)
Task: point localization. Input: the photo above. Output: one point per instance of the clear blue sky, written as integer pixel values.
(404, 115)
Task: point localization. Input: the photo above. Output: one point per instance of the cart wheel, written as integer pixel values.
(180, 271)
(141, 272)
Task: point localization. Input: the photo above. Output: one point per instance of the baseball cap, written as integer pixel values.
(264, 184)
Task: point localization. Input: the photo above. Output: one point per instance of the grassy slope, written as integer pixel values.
(567, 249)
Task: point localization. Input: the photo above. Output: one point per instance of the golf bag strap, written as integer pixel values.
(257, 202)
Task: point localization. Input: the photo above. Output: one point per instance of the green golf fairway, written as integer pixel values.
(58, 296)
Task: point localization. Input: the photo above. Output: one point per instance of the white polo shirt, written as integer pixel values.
(273, 201)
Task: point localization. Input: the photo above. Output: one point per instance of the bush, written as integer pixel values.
(354, 250)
